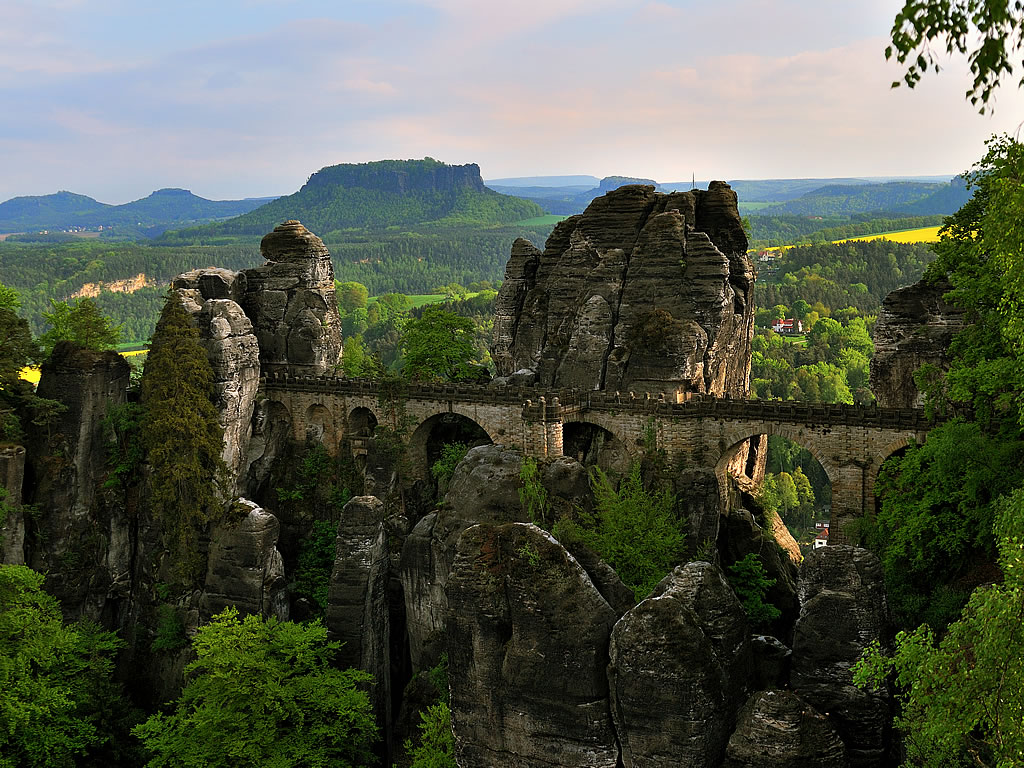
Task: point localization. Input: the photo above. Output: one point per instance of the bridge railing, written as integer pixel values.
(564, 403)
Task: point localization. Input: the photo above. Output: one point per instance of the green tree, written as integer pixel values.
(17, 350)
(263, 692)
(439, 345)
(351, 295)
(58, 700)
(436, 747)
(81, 322)
(634, 530)
(182, 437)
(962, 698)
(751, 584)
(9, 299)
(987, 31)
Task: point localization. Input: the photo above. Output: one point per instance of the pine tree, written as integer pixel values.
(182, 437)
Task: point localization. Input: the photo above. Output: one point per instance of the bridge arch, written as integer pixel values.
(592, 443)
(425, 442)
(733, 438)
(361, 422)
(320, 426)
(883, 455)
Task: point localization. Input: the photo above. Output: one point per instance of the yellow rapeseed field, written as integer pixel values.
(922, 235)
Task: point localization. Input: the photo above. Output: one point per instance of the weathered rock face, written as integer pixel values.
(643, 291)
(12, 527)
(914, 328)
(211, 297)
(842, 609)
(484, 488)
(777, 729)
(84, 544)
(357, 607)
(244, 568)
(527, 651)
(291, 302)
(679, 662)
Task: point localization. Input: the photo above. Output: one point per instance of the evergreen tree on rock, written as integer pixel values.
(182, 436)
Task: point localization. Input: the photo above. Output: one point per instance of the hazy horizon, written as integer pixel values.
(247, 98)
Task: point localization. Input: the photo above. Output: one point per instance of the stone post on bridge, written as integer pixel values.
(542, 428)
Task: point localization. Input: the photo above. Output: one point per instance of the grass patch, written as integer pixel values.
(547, 220)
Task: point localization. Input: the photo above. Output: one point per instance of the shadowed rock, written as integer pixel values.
(12, 531)
(244, 568)
(678, 667)
(84, 540)
(842, 609)
(357, 608)
(527, 650)
(777, 729)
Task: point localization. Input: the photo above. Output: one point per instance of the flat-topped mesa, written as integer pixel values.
(643, 291)
(291, 303)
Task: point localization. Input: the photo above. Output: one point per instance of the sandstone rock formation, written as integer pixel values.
(484, 488)
(527, 651)
(842, 609)
(643, 291)
(777, 729)
(12, 527)
(84, 544)
(244, 568)
(291, 302)
(211, 297)
(914, 328)
(357, 607)
(678, 669)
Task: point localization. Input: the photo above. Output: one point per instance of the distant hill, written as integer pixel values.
(149, 216)
(567, 200)
(580, 181)
(908, 198)
(384, 194)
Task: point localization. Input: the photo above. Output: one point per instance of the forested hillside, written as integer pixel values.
(411, 263)
(377, 196)
(146, 217)
(895, 197)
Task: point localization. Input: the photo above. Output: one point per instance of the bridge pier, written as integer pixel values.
(852, 499)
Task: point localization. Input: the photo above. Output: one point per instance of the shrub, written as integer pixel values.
(751, 584)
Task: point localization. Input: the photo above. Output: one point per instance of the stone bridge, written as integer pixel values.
(850, 442)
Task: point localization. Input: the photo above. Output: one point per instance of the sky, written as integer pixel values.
(247, 98)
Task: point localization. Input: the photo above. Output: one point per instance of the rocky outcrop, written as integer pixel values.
(357, 607)
(842, 610)
(484, 488)
(914, 328)
(244, 567)
(12, 524)
(81, 540)
(643, 291)
(291, 302)
(679, 663)
(211, 297)
(527, 650)
(777, 729)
